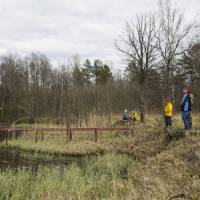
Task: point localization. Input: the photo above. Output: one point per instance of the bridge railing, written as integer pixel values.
(12, 132)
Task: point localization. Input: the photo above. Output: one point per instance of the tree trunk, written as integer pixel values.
(167, 86)
(142, 104)
(61, 102)
(172, 87)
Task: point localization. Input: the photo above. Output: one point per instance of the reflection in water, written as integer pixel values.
(15, 159)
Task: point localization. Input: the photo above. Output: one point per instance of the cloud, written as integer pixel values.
(62, 28)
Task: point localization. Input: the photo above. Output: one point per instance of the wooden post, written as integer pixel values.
(7, 132)
(16, 134)
(142, 111)
(13, 133)
(36, 136)
(25, 133)
(70, 135)
(42, 135)
(67, 135)
(95, 135)
(67, 131)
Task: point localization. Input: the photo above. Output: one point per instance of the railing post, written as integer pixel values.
(67, 135)
(13, 134)
(36, 136)
(16, 134)
(70, 135)
(42, 135)
(7, 137)
(9, 134)
(25, 135)
(95, 135)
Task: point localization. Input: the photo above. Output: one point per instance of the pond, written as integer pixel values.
(15, 158)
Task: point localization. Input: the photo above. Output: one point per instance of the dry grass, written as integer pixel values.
(57, 147)
(174, 171)
(168, 167)
(109, 120)
(156, 120)
(146, 140)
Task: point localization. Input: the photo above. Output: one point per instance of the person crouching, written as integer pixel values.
(135, 117)
(168, 112)
(126, 116)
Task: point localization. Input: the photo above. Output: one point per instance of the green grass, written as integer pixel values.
(58, 146)
(162, 170)
(108, 177)
(105, 178)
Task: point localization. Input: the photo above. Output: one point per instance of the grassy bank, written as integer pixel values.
(111, 177)
(156, 167)
(54, 147)
(105, 178)
(143, 141)
(142, 137)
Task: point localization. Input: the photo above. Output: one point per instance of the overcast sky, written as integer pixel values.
(63, 28)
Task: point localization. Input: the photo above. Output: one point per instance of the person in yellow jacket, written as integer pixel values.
(135, 116)
(168, 110)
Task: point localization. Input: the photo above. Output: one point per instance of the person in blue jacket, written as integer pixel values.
(186, 108)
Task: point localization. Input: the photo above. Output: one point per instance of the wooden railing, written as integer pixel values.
(12, 132)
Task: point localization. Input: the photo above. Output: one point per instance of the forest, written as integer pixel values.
(31, 87)
(65, 129)
(161, 56)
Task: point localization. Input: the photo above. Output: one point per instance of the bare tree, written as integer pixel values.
(139, 44)
(172, 35)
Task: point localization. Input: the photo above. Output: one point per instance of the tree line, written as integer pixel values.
(158, 42)
(161, 59)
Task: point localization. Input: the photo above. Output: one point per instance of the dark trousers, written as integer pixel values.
(168, 121)
(187, 119)
(125, 119)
